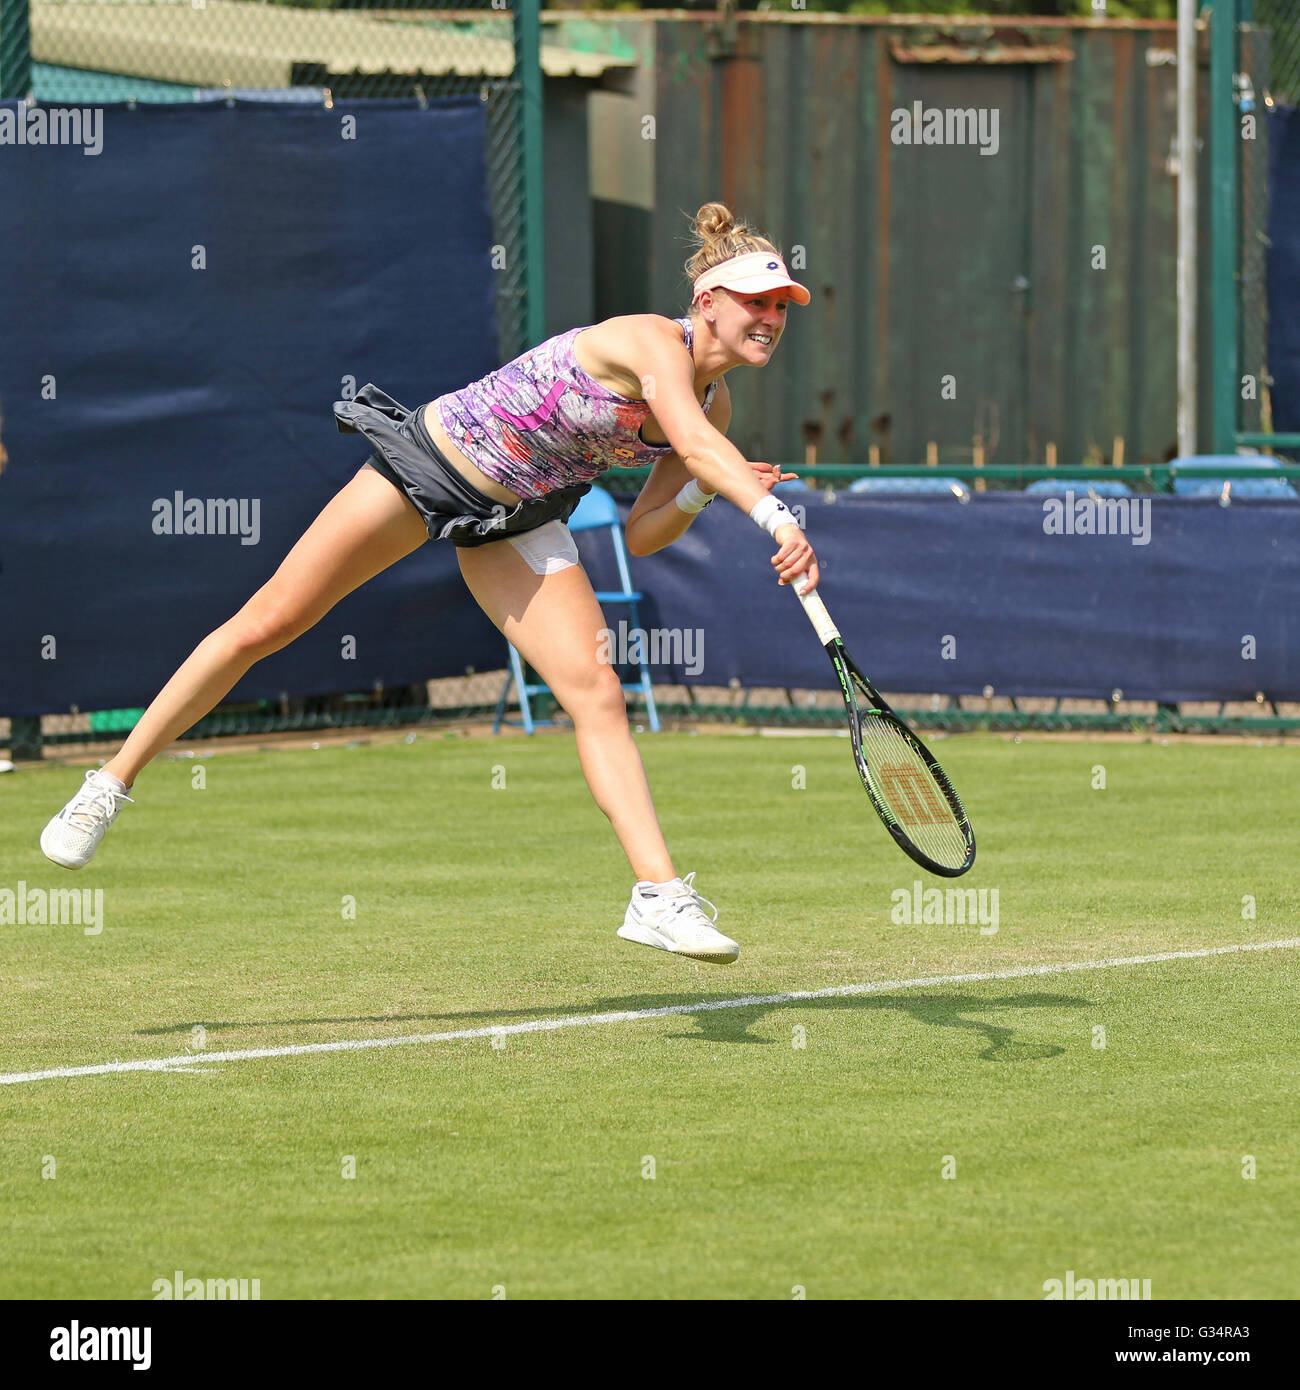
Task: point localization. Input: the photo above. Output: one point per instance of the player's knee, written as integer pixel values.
(259, 633)
(598, 697)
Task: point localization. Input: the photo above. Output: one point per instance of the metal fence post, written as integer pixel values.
(528, 71)
(1187, 228)
(15, 49)
(1225, 215)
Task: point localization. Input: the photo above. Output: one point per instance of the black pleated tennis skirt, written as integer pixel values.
(449, 505)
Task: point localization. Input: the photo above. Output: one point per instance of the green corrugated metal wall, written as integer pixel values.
(938, 260)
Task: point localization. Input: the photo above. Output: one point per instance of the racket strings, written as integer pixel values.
(905, 784)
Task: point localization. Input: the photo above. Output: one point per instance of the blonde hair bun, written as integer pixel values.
(719, 235)
(713, 220)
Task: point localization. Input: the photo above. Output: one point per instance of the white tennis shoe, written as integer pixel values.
(73, 836)
(671, 918)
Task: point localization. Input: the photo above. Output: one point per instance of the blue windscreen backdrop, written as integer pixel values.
(177, 314)
(1282, 259)
(932, 594)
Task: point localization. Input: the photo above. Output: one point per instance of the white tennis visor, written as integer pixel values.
(753, 272)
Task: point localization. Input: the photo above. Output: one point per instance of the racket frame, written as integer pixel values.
(850, 675)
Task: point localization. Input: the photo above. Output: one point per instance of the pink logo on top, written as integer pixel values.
(534, 418)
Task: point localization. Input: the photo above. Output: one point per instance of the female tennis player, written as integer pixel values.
(497, 468)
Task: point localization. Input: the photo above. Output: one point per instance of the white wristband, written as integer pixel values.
(770, 513)
(692, 498)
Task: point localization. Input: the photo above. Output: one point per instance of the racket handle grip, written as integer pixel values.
(816, 610)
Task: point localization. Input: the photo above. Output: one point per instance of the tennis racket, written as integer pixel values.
(908, 788)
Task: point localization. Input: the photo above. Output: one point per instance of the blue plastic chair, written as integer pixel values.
(1058, 487)
(1226, 489)
(596, 511)
(1204, 483)
(916, 485)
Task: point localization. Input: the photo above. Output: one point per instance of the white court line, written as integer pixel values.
(550, 1025)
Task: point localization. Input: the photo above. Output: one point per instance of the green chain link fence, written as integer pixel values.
(15, 49)
(99, 51)
(1281, 20)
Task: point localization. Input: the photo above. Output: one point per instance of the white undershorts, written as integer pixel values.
(547, 549)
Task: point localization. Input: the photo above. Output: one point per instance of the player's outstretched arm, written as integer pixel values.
(655, 356)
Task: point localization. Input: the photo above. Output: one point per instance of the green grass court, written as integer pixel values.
(521, 1166)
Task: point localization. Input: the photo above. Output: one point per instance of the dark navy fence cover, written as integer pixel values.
(330, 261)
(1283, 264)
(1028, 613)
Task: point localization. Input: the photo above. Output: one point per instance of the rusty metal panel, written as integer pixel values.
(959, 263)
(1040, 277)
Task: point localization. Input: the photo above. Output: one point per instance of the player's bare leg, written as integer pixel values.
(366, 527)
(556, 624)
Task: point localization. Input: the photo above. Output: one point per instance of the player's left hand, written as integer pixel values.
(769, 475)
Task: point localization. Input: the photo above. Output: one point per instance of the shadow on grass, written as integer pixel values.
(935, 1010)
(727, 1025)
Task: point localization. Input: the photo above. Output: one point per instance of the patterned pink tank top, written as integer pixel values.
(540, 422)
